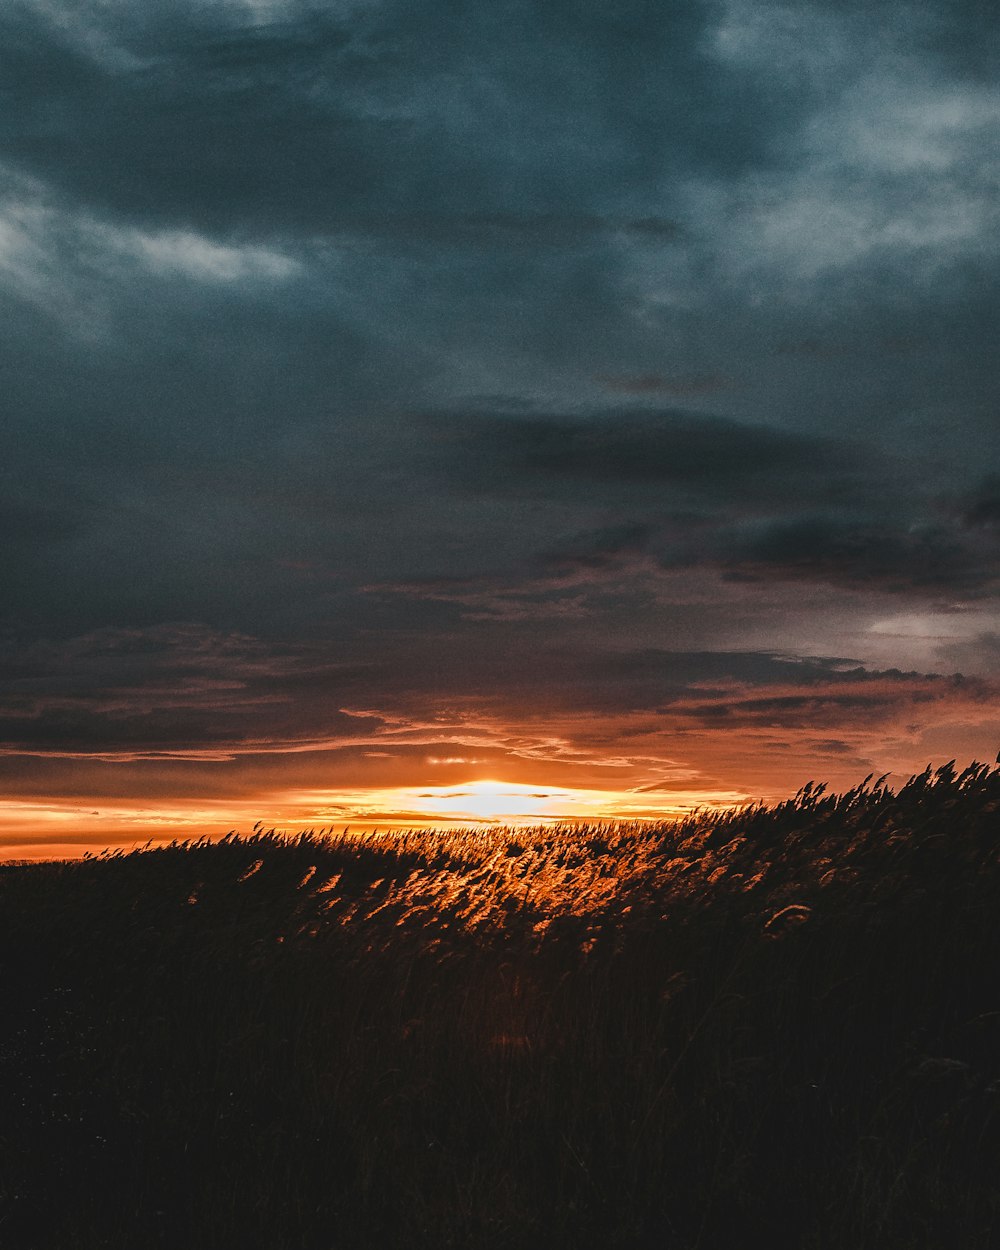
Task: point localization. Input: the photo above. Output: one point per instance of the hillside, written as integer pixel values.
(774, 1027)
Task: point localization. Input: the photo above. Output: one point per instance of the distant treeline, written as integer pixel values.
(775, 1027)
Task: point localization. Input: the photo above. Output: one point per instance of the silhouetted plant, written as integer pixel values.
(773, 1026)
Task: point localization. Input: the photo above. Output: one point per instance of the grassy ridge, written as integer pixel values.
(779, 1027)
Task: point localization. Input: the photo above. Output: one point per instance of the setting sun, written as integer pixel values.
(501, 801)
(489, 801)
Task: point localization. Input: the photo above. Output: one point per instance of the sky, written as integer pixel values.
(415, 413)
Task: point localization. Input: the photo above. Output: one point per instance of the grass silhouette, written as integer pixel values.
(773, 1027)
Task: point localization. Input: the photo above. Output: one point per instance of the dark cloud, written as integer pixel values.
(871, 698)
(979, 653)
(982, 509)
(601, 548)
(36, 529)
(590, 369)
(641, 448)
(892, 557)
(186, 692)
(707, 491)
(500, 229)
(170, 689)
(386, 120)
(962, 34)
(33, 522)
(180, 122)
(659, 384)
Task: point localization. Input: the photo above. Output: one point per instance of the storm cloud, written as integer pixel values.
(540, 384)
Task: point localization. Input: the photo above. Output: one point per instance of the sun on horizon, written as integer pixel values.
(495, 801)
(488, 800)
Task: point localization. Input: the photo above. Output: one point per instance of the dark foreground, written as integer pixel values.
(780, 1028)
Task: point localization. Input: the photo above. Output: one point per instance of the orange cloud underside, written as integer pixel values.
(465, 769)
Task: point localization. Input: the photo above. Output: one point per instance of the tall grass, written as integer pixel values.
(774, 1027)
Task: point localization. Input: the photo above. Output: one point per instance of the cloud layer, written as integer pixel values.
(610, 391)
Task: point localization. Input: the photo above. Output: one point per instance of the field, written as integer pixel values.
(778, 1027)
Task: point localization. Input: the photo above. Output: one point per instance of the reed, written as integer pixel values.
(775, 1026)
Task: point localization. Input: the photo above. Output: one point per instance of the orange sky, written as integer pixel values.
(559, 767)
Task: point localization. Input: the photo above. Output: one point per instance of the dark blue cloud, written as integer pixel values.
(708, 453)
(701, 298)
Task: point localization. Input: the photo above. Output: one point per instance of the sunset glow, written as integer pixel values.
(513, 803)
(509, 802)
(68, 828)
